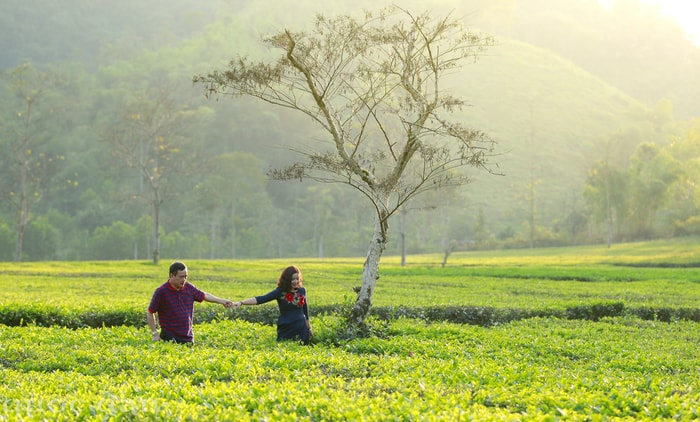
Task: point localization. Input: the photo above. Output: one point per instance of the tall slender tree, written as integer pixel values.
(151, 138)
(652, 172)
(27, 163)
(376, 86)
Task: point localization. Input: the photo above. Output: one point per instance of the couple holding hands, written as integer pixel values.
(172, 306)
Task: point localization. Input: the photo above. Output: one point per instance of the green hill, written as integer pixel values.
(549, 118)
(563, 81)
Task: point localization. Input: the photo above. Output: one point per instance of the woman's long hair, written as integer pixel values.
(285, 280)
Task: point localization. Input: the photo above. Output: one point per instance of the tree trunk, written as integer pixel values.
(213, 227)
(370, 274)
(23, 215)
(156, 232)
(320, 246)
(22, 224)
(608, 211)
(532, 214)
(234, 230)
(403, 237)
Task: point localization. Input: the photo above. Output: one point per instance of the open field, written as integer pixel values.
(654, 278)
(563, 358)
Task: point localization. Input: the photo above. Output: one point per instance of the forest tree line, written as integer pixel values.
(100, 152)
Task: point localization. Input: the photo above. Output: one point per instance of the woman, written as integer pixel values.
(293, 322)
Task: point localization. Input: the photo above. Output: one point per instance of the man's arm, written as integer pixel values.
(211, 298)
(151, 318)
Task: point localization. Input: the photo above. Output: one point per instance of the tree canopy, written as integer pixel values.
(376, 87)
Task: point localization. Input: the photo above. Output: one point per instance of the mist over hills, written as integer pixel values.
(630, 45)
(563, 78)
(548, 117)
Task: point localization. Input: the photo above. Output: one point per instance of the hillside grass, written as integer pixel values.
(549, 118)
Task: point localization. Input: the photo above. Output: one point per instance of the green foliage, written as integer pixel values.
(557, 334)
(115, 241)
(537, 369)
(109, 54)
(597, 311)
(651, 280)
(80, 317)
(7, 242)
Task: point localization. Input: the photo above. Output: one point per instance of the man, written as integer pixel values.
(174, 303)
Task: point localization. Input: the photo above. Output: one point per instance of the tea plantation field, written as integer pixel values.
(553, 334)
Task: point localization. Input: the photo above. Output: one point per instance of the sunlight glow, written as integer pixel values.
(685, 12)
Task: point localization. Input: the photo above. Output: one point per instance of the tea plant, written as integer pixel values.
(558, 334)
(74, 295)
(533, 369)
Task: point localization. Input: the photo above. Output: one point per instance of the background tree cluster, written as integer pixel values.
(110, 150)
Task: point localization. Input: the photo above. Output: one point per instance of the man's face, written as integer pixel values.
(178, 280)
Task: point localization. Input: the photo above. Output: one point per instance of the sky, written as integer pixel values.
(685, 12)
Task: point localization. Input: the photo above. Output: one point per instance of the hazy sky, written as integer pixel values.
(685, 12)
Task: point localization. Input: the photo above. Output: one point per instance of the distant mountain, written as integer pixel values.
(550, 119)
(629, 44)
(43, 31)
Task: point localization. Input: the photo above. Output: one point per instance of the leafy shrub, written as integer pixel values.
(485, 316)
(535, 369)
(113, 242)
(48, 316)
(596, 311)
(111, 318)
(667, 314)
(7, 242)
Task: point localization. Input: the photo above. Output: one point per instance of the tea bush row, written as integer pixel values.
(536, 369)
(91, 316)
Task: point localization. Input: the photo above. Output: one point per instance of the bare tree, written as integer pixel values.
(375, 87)
(150, 138)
